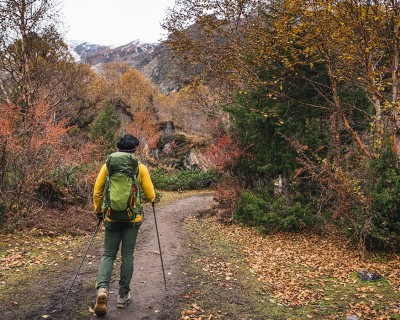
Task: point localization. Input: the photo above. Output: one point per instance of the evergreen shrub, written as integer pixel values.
(3, 210)
(105, 127)
(385, 195)
(272, 214)
(183, 179)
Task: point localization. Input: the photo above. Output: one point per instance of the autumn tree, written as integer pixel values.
(145, 128)
(190, 107)
(231, 38)
(126, 87)
(39, 81)
(126, 102)
(209, 36)
(357, 42)
(29, 148)
(266, 47)
(34, 61)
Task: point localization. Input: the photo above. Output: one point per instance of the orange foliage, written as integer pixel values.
(120, 83)
(35, 145)
(34, 131)
(45, 131)
(8, 121)
(189, 108)
(144, 128)
(135, 89)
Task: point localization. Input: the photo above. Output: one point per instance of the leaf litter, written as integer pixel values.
(302, 270)
(32, 248)
(313, 274)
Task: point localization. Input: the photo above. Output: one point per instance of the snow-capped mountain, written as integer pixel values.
(155, 61)
(96, 54)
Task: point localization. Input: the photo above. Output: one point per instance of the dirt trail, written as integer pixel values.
(40, 294)
(149, 298)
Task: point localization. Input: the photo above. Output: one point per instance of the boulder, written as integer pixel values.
(369, 275)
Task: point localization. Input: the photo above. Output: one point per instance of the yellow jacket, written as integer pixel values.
(144, 180)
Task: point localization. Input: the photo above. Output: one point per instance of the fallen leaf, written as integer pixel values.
(195, 306)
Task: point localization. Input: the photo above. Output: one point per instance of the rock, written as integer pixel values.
(368, 275)
(352, 317)
(191, 161)
(177, 150)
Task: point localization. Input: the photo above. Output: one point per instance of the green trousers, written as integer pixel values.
(116, 233)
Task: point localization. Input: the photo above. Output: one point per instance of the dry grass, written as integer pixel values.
(170, 196)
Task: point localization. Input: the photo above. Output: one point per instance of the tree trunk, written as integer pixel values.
(344, 119)
(3, 162)
(286, 189)
(395, 81)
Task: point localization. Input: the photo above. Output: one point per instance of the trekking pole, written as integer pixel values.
(83, 258)
(159, 246)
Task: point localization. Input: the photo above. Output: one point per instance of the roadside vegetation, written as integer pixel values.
(237, 273)
(291, 120)
(311, 99)
(183, 179)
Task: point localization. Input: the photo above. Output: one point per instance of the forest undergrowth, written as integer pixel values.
(234, 272)
(285, 276)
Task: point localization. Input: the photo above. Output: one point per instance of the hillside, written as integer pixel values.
(155, 61)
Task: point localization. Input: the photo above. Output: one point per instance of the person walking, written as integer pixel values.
(117, 201)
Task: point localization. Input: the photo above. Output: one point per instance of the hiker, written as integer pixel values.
(122, 216)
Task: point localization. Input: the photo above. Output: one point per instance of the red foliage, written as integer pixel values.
(226, 195)
(224, 153)
(223, 150)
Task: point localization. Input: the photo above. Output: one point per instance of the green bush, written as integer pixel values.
(385, 230)
(66, 184)
(271, 214)
(183, 179)
(250, 209)
(3, 210)
(105, 126)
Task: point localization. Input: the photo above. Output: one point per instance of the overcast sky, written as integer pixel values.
(114, 22)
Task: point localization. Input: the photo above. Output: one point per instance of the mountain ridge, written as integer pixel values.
(154, 60)
(95, 54)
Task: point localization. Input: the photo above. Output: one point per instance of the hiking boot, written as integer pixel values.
(100, 309)
(123, 300)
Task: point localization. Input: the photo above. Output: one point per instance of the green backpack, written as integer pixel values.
(121, 201)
